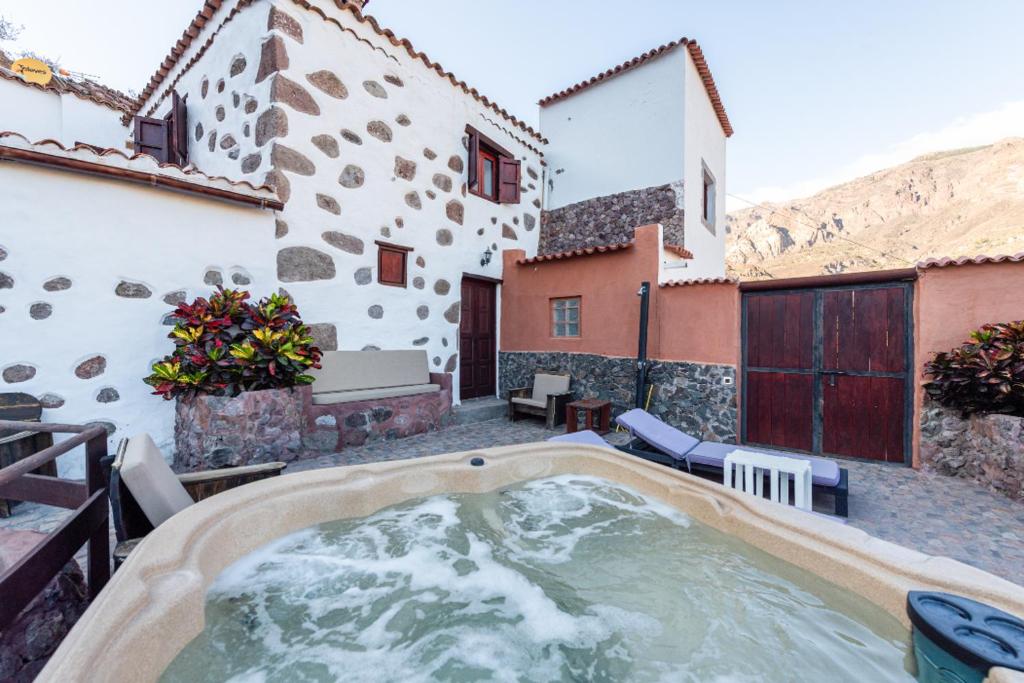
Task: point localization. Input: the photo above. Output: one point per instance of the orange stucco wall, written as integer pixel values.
(952, 301)
(697, 323)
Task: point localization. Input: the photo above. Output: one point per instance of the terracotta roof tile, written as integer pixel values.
(678, 250)
(698, 59)
(84, 89)
(89, 158)
(586, 251)
(211, 6)
(191, 33)
(966, 261)
(701, 281)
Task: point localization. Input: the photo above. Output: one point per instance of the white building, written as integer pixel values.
(643, 142)
(322, 156)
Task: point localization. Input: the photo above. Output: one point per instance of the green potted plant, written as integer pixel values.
(235, 373)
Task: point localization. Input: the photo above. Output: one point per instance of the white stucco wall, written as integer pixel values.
(705, 144)
(41, 115)
(625, 133)
(438, 113)
(103, 231)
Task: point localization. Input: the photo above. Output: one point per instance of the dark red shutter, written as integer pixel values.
(179, 131)
(508, 180)
(473, 162)
(152, 138)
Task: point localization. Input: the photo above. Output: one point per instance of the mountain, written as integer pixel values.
(961, 202)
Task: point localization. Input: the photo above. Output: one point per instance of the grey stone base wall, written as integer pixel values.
(612, 218)
(691, 396)
(986, 448)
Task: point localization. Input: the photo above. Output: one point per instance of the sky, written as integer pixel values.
(818, 91)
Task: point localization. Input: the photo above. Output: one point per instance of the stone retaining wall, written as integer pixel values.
(612, 218)
(690, 396)
(986, 448)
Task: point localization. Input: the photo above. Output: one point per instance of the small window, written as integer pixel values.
(708, 201)
(494, 173)
(392, 262)
(565, 317)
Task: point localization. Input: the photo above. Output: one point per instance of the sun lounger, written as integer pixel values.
(660, 442)
(586, 438)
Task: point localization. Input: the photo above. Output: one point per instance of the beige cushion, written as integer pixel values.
(151, 481)
(530, 402)
(332, 397)
(355, 370)
(545, 385)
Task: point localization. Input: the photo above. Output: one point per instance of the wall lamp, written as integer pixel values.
(486, 258)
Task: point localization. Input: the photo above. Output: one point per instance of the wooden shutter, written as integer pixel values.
(508, 180)
(473, 162)
(152, 137)
(392, 264)
(178, 133)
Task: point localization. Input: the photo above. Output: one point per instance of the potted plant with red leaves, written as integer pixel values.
(235, 373)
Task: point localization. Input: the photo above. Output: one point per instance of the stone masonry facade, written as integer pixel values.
(612, 218)
(698, 398)
(985, 448)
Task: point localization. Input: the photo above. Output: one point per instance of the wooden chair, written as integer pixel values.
(144, 492)
(547, 397)
(15, 446)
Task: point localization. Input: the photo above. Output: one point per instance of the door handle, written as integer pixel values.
(832, 376)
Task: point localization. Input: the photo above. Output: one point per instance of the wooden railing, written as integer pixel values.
(22, 582)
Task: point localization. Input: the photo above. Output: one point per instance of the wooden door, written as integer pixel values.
(864, 372)
(477, 339)
(827, 370)
(779, 386)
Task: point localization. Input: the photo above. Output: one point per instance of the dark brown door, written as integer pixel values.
(779, 385)
(864, 363)
(477, 339)
(827, 370)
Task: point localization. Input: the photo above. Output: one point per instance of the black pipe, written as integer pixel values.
(641, 353)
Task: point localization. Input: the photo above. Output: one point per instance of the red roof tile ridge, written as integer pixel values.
(582, 251)
(701, 281)
(210, 7)
(189, 172)
(698, 59)
(85, 89)
(429, 63)
(679, 250)
(206, 13)
(970, 260)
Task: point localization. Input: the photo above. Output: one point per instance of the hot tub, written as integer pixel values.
(154, 606)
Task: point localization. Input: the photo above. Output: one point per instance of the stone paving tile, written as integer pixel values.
(928, 512)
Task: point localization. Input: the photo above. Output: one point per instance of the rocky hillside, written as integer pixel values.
(958, 203)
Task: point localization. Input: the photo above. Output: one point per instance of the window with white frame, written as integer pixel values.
(707, 214)
(565, 317)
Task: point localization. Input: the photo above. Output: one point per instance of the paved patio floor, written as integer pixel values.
(928, 512)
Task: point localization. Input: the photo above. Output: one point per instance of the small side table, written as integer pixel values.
(597, 415)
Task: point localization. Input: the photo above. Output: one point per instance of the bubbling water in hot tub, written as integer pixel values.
(568, 578)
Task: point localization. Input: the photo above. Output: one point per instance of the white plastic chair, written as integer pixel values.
(751, 467)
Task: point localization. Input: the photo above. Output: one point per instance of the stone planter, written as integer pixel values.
(254, 427)
(986, 448)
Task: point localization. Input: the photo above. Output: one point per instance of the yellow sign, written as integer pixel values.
(32, 70)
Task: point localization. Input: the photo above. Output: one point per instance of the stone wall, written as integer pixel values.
(690, 396)
(986, 448)
(363, 142)
(612, 218)
(26, 645)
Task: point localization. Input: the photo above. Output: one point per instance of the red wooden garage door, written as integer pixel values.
(827, 370)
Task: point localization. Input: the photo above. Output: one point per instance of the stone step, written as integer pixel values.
(479, 410)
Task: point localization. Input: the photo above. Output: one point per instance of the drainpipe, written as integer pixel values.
(641, 353)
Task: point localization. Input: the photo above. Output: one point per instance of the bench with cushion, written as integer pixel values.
(361, 396)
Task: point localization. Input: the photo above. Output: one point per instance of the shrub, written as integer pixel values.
(225, 346)
(984, 375)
